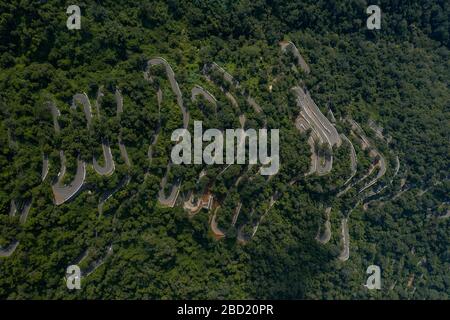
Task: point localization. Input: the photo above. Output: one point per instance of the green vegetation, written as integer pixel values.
(397, 76)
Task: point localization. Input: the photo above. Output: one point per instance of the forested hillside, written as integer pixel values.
(86, 121)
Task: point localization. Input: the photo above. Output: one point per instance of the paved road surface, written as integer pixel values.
(9, 250)
(174, 85)
(109, 167)
(288, 45)
(345, 252)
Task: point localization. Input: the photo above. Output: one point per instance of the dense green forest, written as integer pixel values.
(131, 246)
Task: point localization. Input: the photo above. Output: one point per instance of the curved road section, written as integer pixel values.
(61, 192)
(326, 235)
(168, 201)
(109, 167)
(197, 90)
(9, 250)
(172, 198)
(173, 83)
(315, 118)
(288, 45)
(218, 234)
(83, 99)
(322, 131)
(230, 79)
(45, 166)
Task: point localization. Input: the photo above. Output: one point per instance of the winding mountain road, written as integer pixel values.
(345, 251)
(288, 45)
